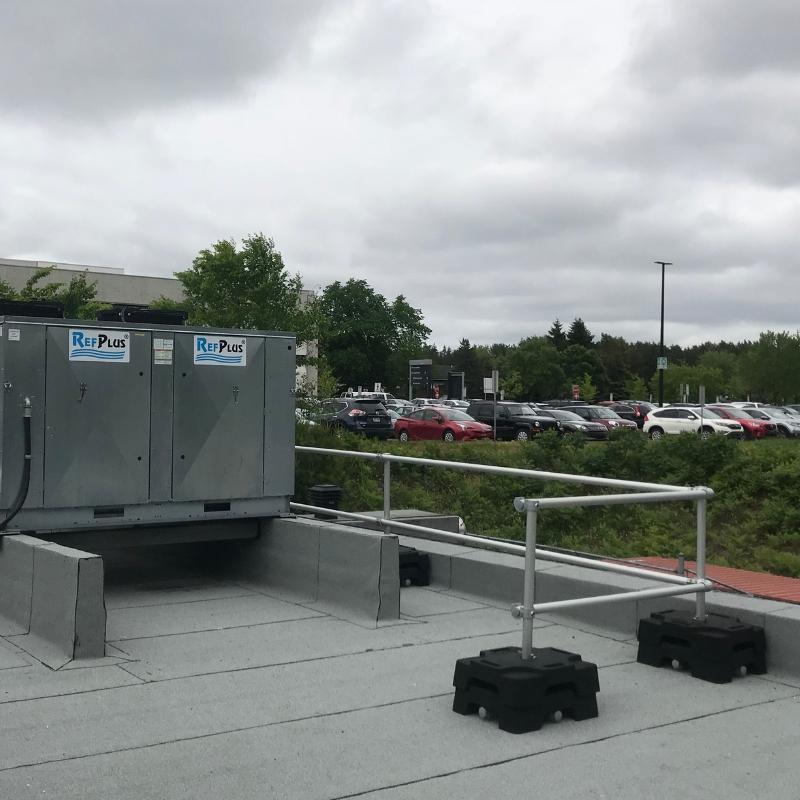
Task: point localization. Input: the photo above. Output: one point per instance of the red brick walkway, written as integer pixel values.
(759, 584)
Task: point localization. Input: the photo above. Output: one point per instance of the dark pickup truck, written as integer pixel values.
(514, 420)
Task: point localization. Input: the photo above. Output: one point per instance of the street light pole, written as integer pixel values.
(661, 341)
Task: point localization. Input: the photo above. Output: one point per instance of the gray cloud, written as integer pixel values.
(91, 59)
(499, 166)
(719, 39)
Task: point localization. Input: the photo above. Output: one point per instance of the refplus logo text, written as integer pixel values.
(229, 351)
(99, 346)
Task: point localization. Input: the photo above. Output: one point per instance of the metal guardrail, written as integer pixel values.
(641, 493)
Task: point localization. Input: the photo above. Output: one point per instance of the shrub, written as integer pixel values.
(754, 518)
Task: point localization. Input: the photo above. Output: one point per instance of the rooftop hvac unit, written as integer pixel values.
(142, 423)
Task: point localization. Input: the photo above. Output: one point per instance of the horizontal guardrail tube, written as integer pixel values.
(621, 499)
(499, 546)
(489, 469)
(635, 594)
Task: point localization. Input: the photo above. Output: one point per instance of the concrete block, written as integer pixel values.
(90, 610)
(389, 580)
(68, 617)
(285, 556)
(359, 573)
(16, 579)
(351, 572)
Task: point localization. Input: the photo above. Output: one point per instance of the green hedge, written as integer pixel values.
(754, 520)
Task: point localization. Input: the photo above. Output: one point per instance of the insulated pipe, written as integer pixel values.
(22, 494)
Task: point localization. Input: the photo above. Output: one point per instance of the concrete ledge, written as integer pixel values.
(54, 595)
(499, 577)
(351, 573)
(16, 580)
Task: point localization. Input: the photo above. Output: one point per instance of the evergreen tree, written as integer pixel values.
(579, 334)
(556, 335)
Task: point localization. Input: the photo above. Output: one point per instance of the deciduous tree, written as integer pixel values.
(77, 297)
(246, 287)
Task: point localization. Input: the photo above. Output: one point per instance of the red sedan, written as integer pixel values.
(447, 424)
(753, 428)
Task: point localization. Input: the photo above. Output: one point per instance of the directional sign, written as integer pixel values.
(419, 371)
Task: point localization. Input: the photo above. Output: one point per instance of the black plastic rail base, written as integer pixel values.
(524, 694)
(415, 567)
(713, 650)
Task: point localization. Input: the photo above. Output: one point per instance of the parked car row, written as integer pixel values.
(518, 421)
(456, 420)
(764, 420)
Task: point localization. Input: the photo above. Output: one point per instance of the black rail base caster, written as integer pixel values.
(713, 650)
(415, 567)
(522, 694)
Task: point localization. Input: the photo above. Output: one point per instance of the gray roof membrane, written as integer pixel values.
(215, 687)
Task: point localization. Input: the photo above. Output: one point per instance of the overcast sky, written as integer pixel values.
(500, 164)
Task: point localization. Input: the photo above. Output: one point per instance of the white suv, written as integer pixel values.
(675, 419)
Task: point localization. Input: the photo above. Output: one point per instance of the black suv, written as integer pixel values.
(514, 420)
(634, 410)
(357, 415)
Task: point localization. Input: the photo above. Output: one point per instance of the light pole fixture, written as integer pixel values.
(662, 362)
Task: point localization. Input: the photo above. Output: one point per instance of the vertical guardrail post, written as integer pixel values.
(387, 488)
(529, 579)
(539, 687)
(700, 601)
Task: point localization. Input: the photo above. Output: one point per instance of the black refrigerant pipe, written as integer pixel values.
(22, 494)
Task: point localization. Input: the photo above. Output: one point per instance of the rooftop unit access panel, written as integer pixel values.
(136, 424)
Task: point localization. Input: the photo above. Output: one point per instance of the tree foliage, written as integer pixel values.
(245, 287)
(579, 334)
(364, 338)
(767, 370)
(772, 367)
(556, 335)
(78, 297)
(539, 366)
